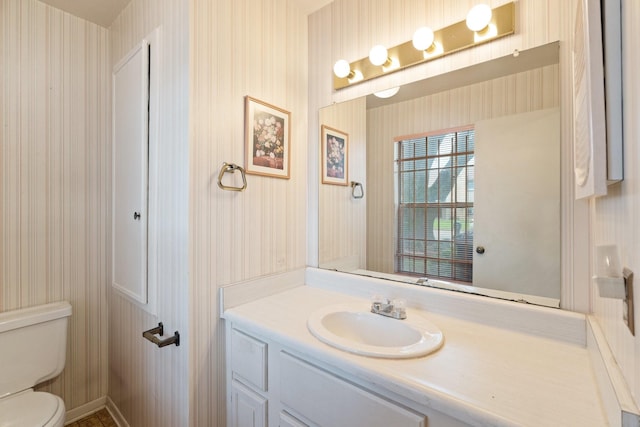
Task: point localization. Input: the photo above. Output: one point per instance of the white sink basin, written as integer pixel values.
(353, 328)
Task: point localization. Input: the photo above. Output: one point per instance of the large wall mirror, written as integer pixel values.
(461, 178)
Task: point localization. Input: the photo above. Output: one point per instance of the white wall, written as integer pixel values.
(238, 48)
(616, 216)
(54, 181)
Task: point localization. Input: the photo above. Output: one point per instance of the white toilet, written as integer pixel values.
(33, 344)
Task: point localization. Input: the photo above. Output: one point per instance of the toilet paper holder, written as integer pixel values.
(159, 330)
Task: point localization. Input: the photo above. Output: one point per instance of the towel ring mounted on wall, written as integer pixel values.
(354, 193)
(231, 167)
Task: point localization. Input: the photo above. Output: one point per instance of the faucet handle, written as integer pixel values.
(377, 298)
(399, 308)
(399, 303)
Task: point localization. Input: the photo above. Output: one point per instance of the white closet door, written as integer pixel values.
(130, 173)
(517, 203)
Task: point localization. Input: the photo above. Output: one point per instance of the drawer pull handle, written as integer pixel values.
(159, 330)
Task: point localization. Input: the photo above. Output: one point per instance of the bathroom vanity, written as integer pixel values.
(278, 383)
(501, 364)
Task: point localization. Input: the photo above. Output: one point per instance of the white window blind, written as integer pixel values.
(435, 205)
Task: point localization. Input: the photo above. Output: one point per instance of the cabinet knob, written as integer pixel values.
(480, 250)
(136, 215)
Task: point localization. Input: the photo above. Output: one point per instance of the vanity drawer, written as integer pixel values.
(288, 420)
(327, 400)
(249, 360)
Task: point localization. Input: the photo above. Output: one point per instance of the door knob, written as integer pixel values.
(480, 250)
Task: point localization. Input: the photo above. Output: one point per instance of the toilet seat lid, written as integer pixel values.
(28, 409)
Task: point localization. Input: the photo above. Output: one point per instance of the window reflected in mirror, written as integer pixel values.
(434, 193)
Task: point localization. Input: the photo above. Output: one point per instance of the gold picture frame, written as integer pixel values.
(267, 139)
(335, 156)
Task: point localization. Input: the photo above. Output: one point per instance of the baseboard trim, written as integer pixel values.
(87, 409)
(615, 394)
(116, 414)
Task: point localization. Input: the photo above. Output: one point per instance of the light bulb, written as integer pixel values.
(423, 38)
(378, 55)
(387, 93)
(341, 68)
(479, 17)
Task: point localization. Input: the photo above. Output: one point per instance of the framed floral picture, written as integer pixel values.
(335, 156)
(268, 140)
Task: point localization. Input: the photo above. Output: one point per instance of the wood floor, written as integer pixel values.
(97, 419)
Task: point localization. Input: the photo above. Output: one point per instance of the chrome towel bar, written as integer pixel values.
(159, 330)
(230, 167)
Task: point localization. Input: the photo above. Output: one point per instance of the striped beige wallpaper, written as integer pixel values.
(54, 181)
(239, 48)
(149, 386)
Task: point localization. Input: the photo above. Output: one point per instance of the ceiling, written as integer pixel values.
(103, 12)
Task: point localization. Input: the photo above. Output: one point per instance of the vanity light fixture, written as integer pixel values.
(482, 25)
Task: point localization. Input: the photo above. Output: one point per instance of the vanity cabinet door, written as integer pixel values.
(327, 400)
(249, 408)
(248, 359)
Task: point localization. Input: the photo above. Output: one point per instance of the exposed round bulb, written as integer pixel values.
(479, 17)
(378, 55)
(341, 68)
(387, 93)
(423, 38)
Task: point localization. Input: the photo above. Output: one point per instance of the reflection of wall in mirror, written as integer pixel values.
(517, 203)
(342, 225)
(518, 93)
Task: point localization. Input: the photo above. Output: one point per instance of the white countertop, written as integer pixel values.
(483, 375)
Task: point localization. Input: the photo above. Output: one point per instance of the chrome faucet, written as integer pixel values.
(394, 309)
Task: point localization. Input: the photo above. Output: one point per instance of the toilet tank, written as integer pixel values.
(33, 344)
